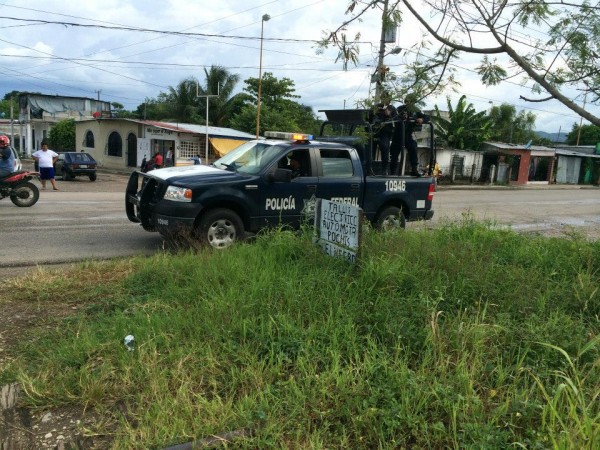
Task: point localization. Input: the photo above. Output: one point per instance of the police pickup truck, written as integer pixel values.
(266, 183)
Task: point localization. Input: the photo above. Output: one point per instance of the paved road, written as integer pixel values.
(531, 208)
(87, 220)
(82, 220)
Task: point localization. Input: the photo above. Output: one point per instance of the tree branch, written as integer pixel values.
(536, 100)
(449, 43)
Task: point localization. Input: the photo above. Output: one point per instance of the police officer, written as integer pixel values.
(383, 129)
(409, 116)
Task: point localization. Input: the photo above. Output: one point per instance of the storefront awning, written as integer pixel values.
(223, 146)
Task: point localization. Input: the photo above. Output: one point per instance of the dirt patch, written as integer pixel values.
(21, 428)
(59, 428)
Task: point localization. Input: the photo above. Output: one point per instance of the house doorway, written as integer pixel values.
(132, 150)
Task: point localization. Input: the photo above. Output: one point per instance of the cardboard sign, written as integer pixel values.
(339, 229)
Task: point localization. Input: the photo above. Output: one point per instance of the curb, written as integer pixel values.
(548, 187)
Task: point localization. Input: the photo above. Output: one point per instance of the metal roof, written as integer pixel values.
(505, 146)
(577, 154)
(199, 129)
(187, 128)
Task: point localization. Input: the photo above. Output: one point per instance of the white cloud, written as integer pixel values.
(319, 81)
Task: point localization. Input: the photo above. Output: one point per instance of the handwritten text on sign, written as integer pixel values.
(339, 228)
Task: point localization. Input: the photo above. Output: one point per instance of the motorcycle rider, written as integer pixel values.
(7, 158)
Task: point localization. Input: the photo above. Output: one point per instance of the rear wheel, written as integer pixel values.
(391, 218)
(65, 175)
(93, 176)
(25, 194)
(220, 228)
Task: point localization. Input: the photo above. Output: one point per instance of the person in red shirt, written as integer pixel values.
(158, 160)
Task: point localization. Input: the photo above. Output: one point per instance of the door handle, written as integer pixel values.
(354, 187)
(311, 187)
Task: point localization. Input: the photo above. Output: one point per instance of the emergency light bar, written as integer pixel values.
(289, 136)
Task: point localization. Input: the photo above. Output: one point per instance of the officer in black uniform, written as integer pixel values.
(383, 129)
(409, 117)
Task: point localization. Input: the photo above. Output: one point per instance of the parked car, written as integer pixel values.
(73, 164)
(18, 164)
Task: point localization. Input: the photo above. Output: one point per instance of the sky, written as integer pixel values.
(103, 60)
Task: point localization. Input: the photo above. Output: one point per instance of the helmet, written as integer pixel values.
(4, 141)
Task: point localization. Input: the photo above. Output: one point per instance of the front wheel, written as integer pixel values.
(391, 218)
(25, 194)
(220, 228)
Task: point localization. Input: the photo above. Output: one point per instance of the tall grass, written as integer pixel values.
(463, 337)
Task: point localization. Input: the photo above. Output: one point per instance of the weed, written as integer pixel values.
(430, 341)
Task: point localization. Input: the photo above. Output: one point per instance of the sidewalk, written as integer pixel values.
(501, 187)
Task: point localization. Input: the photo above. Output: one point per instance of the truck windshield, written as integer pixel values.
(250, 157)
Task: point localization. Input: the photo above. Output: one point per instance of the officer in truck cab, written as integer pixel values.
(298, 163)
(296, 167)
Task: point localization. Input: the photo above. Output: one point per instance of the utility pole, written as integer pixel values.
(12, 132)
(207, 97)
(380, 72)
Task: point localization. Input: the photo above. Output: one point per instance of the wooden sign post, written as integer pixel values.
(339, 229)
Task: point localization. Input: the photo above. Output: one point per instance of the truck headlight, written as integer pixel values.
(178, 194)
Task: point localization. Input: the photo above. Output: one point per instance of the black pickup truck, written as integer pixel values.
(269, 182)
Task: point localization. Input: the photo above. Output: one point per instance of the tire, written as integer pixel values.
(220, 228)
(25, 194)
(93, 176)
(65, 175)
(391, 218)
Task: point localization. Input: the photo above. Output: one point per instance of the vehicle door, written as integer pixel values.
(290, 202)
(340, 176)
(59, 164)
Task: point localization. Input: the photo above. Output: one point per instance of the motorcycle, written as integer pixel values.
(17, 186)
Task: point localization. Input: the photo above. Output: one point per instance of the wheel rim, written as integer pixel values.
(23, 195)
(221, 233)
(391, 222)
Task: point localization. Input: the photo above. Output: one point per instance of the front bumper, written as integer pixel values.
(144, 204)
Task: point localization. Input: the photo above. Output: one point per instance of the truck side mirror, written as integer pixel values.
(280, 175)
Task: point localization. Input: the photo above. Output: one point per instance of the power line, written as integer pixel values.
(163, 32)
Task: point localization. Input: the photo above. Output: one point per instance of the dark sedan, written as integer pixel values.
(73, 164)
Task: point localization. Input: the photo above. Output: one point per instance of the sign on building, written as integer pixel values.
(338, 229)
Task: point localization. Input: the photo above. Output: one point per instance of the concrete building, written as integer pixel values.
(578, 164)
(39, 112)
(518, 163)
(123, 143)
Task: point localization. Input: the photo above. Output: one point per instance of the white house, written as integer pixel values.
(123, 143)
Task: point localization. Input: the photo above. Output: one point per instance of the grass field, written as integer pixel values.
(464, 336)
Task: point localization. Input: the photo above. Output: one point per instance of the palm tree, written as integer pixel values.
(465, 128)
(221, 108)
(182, 101)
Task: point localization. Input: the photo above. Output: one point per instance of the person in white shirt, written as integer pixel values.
(169, 158)
(46, 159)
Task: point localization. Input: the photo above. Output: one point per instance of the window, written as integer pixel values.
(89, 139)
(115, 144)
(298, 161)
(337, 163)
(188, 149)
(458, 163)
